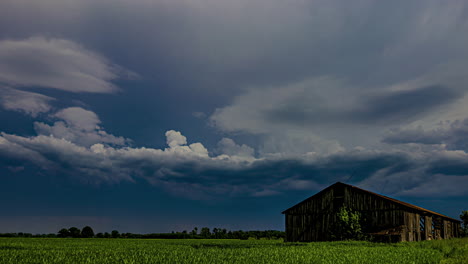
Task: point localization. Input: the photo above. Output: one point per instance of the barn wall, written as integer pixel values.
(320, 204)
(311, 220)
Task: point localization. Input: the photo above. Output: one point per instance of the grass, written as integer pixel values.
(56, 250)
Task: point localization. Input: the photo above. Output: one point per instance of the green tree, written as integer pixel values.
(63, 233)
(87, 232)
(194, 232)
(464, 218)
(74, 232)
(347, 225)
(216, 232)
(205, 232)
(115, 234)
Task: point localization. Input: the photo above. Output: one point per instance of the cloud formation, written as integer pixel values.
(56, 63)
(26, 102)
(317, 91)
(190, 171)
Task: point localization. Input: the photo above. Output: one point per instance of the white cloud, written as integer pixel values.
(175, 139)
(177, 144)
(79, 126)
(56, 63)
(26, 102)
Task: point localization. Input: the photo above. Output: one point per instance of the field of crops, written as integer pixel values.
(58, 250)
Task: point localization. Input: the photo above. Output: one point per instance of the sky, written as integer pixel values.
(159, 115)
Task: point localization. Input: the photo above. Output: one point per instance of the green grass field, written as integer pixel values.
(57, 250)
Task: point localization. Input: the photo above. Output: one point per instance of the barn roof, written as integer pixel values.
(407, 205)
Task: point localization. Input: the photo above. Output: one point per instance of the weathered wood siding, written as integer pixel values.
(310, 220)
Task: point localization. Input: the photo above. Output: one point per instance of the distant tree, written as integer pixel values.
(194, 232)
(216, 232)
(74, 232)
(63, 232)
(87, 232)
(464, 218)
(205, 232)
(115, 234)
(107, 235)
(99, 235)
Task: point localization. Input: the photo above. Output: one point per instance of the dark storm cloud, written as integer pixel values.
(386, 108)
(404, 105)
(241, 43)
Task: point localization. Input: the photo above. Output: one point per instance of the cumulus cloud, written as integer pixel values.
(56, 63)
(175, 139)
(79, 126)
(177, 144)
(25, 102)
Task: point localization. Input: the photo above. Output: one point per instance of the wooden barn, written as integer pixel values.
(384, 218)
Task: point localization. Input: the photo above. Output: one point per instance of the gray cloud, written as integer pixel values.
(56, 63)
(25, 102)
(230, 148)
(451, 134)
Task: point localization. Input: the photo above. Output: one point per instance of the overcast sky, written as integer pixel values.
(160, 115)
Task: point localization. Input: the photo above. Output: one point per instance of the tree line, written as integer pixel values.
(348, 227)
(203, 233)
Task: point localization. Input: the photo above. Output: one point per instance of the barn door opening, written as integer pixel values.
(422, 227)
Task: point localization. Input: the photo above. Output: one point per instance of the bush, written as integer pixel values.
(464, 218)
(347, 225)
